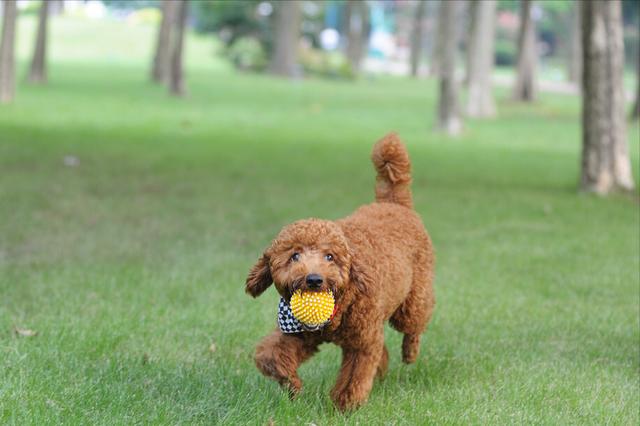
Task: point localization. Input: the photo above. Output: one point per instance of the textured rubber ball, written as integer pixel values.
(312, 307)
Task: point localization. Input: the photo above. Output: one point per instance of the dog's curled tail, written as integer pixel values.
(391, 160)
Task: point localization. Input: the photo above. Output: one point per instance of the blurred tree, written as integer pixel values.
(7, 53)
(357, 25)
(605, 158)
(438, 46)
(232, 19)
(635, 110)
(448, 113)
(176, 80)
(416, 37)
(525, 85)
(481, 59)
(38, 70)
(471, 22)
(284, 60)
(575, 54)
(160, 68)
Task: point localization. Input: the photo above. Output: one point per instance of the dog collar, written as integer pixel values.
(288, 323)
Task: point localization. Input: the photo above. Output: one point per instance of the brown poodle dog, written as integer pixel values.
(379, 264)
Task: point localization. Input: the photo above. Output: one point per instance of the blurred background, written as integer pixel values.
(150, 150)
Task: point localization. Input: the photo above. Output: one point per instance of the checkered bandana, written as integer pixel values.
(290, 324)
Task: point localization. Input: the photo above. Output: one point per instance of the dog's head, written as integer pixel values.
(309, 254)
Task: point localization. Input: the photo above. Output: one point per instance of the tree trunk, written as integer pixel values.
(575, 54)
(357, 23)
(472, 15)
(635, 110)
(448, 114)
(416, 38)
(176, 86)
(38, 70)
(525, 87)
(437, 49)
(284, 61)
(605, 158)
(160, 68)
(7, 54)
(481, 60)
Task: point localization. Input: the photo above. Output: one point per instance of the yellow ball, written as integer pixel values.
(312, 307)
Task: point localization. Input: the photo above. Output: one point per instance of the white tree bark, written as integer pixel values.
(481, 59)
(605, 159)
(161, 66)
(38, 70)
(7, 53)
(526, 85)
(448, 113)
(284, 61)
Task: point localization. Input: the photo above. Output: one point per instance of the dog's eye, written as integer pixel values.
(328, 257)
(295, 257)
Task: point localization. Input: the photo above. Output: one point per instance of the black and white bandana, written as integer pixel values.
(290, 324)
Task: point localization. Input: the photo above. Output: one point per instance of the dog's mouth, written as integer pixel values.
(299, 284)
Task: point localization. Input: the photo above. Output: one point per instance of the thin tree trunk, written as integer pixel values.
(160, 68)
(437, 49)
(448, 114)
(635, 110)
(7, 54)
(481, 60)
(575, 54)
(284, 61)
(38, 70)
(472, 15)
(416, 37)
(605, 158)
(525, 87)
(357, 23)
(176, 85)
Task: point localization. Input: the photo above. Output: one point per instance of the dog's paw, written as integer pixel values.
(347, 401)
(293, 386)
(410, 348)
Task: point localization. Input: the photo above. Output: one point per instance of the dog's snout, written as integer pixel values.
(314, 280)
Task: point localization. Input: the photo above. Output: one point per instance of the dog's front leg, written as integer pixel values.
(279, 355)
(357, 373)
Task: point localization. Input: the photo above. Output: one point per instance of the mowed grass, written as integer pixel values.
(132, 263)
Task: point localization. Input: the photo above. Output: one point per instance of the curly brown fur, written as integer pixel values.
(380, 268)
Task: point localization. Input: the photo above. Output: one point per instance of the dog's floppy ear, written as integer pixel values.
(359, 277)
(259, 278)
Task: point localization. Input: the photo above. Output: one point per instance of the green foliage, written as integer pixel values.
(247, 53)
(131, 4)
(506, 53)
(131, 263)
(322, 63)
(31, 8)
(237, 18)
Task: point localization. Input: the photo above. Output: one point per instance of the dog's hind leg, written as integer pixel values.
(279, 355)
(414, 313)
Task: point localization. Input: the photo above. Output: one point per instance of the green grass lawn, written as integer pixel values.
(131, 264)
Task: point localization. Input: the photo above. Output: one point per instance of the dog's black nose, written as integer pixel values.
(314, 280)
